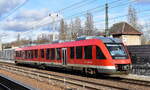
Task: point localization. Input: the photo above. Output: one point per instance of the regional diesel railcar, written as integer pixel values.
(92, 55)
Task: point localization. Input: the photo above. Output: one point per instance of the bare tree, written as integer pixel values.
(89, 25)
(62, 35)
(146, 36)
(18, 37)
(42, 38)
(77, 27)
(132, 17)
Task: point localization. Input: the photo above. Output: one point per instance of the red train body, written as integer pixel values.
(99, 54)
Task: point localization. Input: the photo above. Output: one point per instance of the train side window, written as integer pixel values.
(99, 53)
(53, 53)
(20, 54)
(42, 53)
(58, 54)
(28, 53)
(88, 52)
(79, 52)
(72, 52)
(25, 54)
(36, 53)
(31, 53)
(47, 54)
(16, 53)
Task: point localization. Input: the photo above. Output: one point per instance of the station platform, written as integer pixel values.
(138, 77)
(8, 61)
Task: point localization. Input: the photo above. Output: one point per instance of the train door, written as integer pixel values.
(64, 56)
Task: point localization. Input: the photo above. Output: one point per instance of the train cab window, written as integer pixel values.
(58, 54)
(47, 54)
(79, 52)
(88, 52)
(42, 53)
(36, 53)
(53, 53)
(72, 52)
(99, 53)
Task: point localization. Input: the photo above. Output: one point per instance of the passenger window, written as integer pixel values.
(53, 53)
(23, 56)
(88, 52)
(26, 55)
(47, 54)
(72, 52)
(79, 52)
(99, 53)
(31, 53)
(16, 53)
(42, 53)
(58, 55)
(36, 53)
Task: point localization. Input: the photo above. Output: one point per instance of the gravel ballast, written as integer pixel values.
(30, 82)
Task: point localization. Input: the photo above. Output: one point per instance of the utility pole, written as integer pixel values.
(106, 20)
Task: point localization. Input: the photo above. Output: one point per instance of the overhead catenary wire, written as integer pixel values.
(87, 3)
(85, 11)
(73, 5)
(122, 16)
(96, 10)
(14, 10)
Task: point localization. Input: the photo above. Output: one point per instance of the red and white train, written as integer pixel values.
(92, 55)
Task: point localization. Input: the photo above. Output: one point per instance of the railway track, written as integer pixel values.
(77, 83)
(4, 87)
(9, 84)
(69, 81)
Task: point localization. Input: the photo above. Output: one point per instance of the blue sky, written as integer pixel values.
(34, 11)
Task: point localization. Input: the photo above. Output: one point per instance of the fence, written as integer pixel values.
(140, 56)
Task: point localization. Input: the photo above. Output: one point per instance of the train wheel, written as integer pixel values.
(92, 71)
(42, 67)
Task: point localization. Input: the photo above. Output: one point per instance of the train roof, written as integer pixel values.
(80, 41)
(104, 39)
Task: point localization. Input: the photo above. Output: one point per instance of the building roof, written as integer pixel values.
(123, 28)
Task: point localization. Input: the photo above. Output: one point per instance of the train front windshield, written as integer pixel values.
(117, 51)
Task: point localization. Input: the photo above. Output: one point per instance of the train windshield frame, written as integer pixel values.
(117, 51)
